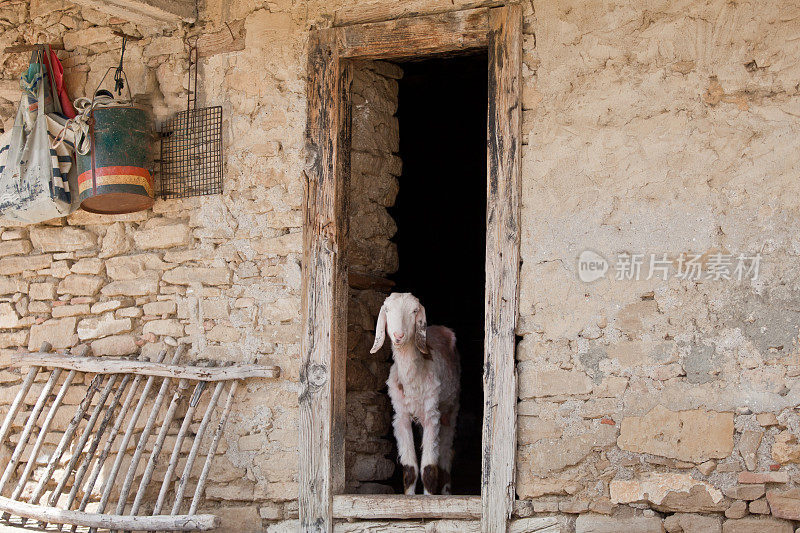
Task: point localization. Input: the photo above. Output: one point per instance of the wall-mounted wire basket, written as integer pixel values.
(191, 146)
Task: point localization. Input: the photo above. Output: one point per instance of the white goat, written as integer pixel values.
(424, 384)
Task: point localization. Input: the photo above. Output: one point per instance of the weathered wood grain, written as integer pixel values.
(502, 267)
(380, 10)
(384, 506)
(324, 302)
(409, 37)
(200, 522)
(112, 365)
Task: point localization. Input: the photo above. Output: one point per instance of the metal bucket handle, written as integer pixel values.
(127, 85)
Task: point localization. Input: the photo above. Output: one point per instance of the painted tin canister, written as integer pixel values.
(113, 178)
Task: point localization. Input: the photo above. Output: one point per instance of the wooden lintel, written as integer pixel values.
(112, 365)
(200, 522)
(146, 11)
(380, 10)
(418, 36)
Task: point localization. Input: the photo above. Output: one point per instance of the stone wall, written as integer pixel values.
(650, 128)
(373, 187)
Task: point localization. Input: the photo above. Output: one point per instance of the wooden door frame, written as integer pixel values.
(324, 335)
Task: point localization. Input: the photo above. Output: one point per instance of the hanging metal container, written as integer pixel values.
(114, 176)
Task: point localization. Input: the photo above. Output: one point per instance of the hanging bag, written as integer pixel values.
(37, 182)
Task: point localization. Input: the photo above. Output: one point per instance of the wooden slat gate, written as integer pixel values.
(92, 477)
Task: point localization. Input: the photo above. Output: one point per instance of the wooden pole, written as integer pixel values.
(81, 443)
(110, 442)
(198, 438)
(148, 428)
(212, 450)
(129, 430)
(177, 397)
(176, 452)
(96, 438)
(26, 431)
(18, 399)
(105, 521)
(112, 365)
(65, 440)
(23, 479)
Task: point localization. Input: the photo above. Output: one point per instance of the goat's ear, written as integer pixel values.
(421, 331)
(380, 330)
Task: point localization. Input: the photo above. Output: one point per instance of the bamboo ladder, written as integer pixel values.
(53, 487)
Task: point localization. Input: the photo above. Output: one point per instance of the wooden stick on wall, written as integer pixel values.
(176, 451)
(198, 438)
(26, 431)
(96, 438)
(110, 442)
(129, 430)
(212, 450)
(177, 397)
(82, 440)
(20, 397)
(145, 435)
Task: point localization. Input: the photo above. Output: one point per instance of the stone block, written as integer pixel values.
(42, 291)
(58, 332)
(88, 36)
(102, 307)
(668, 491)
(140, 287)
(784, 503)
(692, 523)
(184, 275)
(759, 506)
(9, 318)
(131, 267)
(115, 241)
(757, 525)
(70, 310)
(693, 436)
(163, 307)
(96, 327)
(169, 327)
(116, 345)
(746, 491)
(165, 236)
(80, 285)
(763, 477)
(88, 265)
(591, 523)
(786, 449)
(748, 447)
(17, 265)
(19, 247)
(737, 509)
(63, 239)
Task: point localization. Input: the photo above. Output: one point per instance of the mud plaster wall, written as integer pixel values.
(649, 127)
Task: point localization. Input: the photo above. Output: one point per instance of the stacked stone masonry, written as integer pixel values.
(649, 127)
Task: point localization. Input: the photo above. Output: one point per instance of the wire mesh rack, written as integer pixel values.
(191, 153)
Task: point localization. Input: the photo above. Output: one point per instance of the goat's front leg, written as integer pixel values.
(430, 452)
(403, 433)
(405, 450)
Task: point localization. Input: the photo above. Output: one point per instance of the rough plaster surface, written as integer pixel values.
(650, 127)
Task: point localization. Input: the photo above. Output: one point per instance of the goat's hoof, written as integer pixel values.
(409, 479)
(430, 479)
(444, 482)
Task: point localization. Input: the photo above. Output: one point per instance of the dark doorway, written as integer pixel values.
(441, 218)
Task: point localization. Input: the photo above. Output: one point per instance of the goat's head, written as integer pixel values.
(404, 318)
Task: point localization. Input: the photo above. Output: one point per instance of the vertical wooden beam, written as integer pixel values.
(502, 267)
(323, 341)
